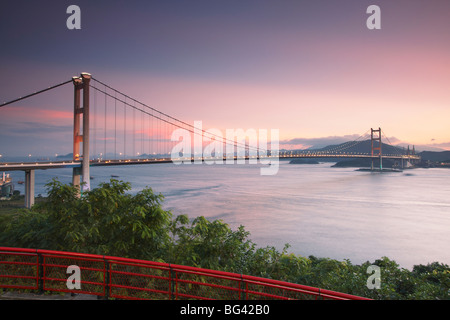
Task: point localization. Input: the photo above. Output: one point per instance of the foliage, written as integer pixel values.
(206, 244)
(107, 220)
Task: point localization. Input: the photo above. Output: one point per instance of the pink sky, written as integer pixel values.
(311, 70)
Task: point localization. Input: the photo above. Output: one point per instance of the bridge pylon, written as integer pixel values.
(375, 136)
(81, 83)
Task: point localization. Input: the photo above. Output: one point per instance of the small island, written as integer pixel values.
(365, 163)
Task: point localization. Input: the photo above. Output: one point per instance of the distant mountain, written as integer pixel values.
(364, 147)
(435, 156)
(65, 156)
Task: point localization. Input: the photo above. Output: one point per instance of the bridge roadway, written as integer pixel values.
(44, 165)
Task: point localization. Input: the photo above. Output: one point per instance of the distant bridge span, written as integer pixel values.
(44, 165)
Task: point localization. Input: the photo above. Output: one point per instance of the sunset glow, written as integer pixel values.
(313, 71)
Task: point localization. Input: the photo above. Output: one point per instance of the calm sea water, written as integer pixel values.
(338, 213)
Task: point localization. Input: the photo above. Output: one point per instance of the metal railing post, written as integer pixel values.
(172, 283)
(242, 289)
(40, 271)
(107, 279)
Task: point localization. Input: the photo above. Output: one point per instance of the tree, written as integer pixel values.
(209, 244)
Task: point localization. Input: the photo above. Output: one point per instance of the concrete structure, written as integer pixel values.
(29, 188)
(81, 83)
(85, 164)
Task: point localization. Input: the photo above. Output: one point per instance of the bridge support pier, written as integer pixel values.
(29, 188)
(76, 176)
(85, 166)
(81, 83)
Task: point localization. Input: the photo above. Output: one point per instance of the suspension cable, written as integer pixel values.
(35, 93)
(397, 149)
(192, 130)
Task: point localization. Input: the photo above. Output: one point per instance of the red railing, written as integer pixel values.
(122, 278)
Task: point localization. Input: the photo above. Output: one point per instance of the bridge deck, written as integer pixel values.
(24, 166)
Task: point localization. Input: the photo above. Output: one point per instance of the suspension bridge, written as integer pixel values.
(111, 128)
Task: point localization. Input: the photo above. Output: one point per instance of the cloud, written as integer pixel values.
(37, 128)
(434, 147)
(35, 138)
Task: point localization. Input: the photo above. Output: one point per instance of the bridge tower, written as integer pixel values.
(375, 137)
(81, 136)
